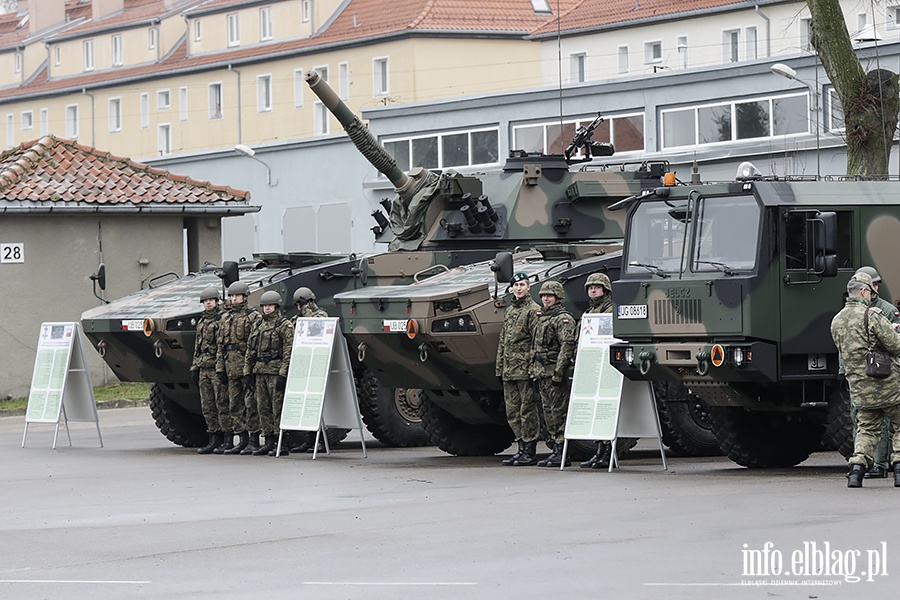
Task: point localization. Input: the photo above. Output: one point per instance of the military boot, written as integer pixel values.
(285, 448)
(243, 440)
(855, 479)
(271, 442)
(589, 463)
(897, 474)
(605, 452)
(215, 440)
(508, 462)
(528, 457)
(557, 459)
(227, 445)
(252, 445)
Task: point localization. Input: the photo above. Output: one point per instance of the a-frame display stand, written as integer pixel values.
(603, 405)
(61, 382)
(320, 391)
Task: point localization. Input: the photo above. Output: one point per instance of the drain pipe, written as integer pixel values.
(238, 73)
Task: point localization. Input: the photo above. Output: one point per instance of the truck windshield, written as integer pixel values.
(725, 234)
(656, 237)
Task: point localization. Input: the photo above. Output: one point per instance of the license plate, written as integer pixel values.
(133, 325)
(398, 325)
(632, 311)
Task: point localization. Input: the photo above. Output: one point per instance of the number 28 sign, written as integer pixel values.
(12, 253)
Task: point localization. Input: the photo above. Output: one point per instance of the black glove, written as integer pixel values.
(195, 377)
(223, 377)
(280, 383)
(535, 385)
(556, 383)
(248, 381)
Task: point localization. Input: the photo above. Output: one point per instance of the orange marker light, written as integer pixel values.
(412, 329)
(669, 179)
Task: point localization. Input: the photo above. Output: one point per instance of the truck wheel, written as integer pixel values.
(391, 415)
(684, 420)
(762, 440)
(839, 427)
(177, 424)
(459, 438)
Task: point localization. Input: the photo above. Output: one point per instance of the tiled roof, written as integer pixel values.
(135, 12)
(593, 13)
(58, 170)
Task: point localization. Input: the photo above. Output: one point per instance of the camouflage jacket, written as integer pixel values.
(554, 343)
(848, 331)
(311, 310)
(514, 352)
(269, 345)
(600, 305)
(888, 309)
(233, 333)
(207, 339)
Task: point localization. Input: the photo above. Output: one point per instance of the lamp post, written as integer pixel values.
(789, 73)
(251, 153)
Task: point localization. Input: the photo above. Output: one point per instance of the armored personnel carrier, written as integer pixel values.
(730, 289)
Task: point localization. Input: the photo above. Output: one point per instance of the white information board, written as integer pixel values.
(61, 382)
(320, 391)
(603, 404)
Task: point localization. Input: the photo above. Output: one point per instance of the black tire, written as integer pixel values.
(762, 440)
(178, 425)
(459, 438)
(839, 427)
(684, 421)
(391, 415)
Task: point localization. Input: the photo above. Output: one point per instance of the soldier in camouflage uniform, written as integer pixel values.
(233, 334)
(554, 349)
(203, 369)
(875, 399)
(266, 365)
(513, 360)
(599, 291)
(880, 469)
(305, 301)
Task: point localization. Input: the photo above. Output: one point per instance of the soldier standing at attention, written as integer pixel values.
(233, 334)
(599, 291)
(857, 329)
(266, 364)
(554, 349)
(513, 360)
(203, 368)
(305, 301)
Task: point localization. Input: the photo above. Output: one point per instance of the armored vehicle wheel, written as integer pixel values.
(301, 441)
(684, 420)
(839, 427)
(392, 416)
(459, 438)
(762, 440)
(177, 424)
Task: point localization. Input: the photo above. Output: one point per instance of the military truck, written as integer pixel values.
(730, 289)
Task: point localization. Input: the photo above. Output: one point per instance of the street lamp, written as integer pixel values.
(789, 73)
(251, 153)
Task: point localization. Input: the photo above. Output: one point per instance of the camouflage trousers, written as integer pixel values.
(884, 442)
(869, 422)
(242, 406)
(209, 400)
(555, 402)
(269, 402)
(522, 410)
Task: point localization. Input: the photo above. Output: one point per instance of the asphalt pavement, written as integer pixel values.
(141, 518)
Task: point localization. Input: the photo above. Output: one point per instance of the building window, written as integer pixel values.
(862, 19)
(45, 121)
(89, 55)
(320, 113)
(154, 33)
(652, 52)
(117, 59)
(449, 149)
(164, 139)
(264, 93)
(623, 60)
(626, 132)
(115, 115)
(299, 85)
(57, 55)
(682, 52)
(750, 39)
(344, 81)
(540, 6)
(893, 17)
(183, 104)
(731, 46)
(577, 67)
(380, 77)
(10, 130)
(27, 120)
(145, 110)
(215, 101)
(163, 100)
(197, 30)
(18, 62)
(72, 121)
(265, 23)
(306, 11)
(835, 117)
(805, 28)
(234, 29)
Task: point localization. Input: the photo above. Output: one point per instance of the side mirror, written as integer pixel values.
(503, 266)
(826, 266)
(827, 243)
(100, 276)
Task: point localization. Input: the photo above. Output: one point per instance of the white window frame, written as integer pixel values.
(88, 47)
(731, 47)
(27, 118)
(163, 99)
(344, 81)
(166, 148)
(265, 23)
(623, 60)
(17, 67)
(72, 121)
(198, 30)
(215, 110)
(862, 21)
(306, 10)
(751, 43)
(578, 123)
(299, 86)
(892, 17)
(114, 115)
(145, 110)
(805, 24)
(578, 67)
(381, 76)
(117, 51)
(438, 137)
(653, 52)
(321, 122)
(45, 121)
(183, 104)
(10, 130)
(57, 55)
(234, 29)
(153, 38)
(264, 100)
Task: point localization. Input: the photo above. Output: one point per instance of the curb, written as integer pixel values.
(101, 405)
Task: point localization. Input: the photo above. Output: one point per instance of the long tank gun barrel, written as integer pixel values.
(359, 134)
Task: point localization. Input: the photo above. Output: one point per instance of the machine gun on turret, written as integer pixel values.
(588, 147)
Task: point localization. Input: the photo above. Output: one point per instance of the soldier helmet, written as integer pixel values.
(871, 272)
(304, 295)
(270, 297)
(553, 288)
(239, 287)
(520, 276)
(863, 278)
(598, 279)
(209, 293)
